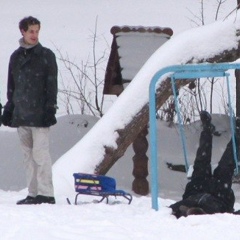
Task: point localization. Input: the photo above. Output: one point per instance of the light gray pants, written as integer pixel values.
(37, 161)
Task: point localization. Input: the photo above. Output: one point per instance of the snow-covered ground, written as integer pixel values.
(91, 221)
(116, 220)
(67, 25)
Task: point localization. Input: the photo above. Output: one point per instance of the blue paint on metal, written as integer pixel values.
(180, 121)
(232, 125)
(197, 74)
(180, 72)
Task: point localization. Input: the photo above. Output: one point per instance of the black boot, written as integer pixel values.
(44, 199)
(27, 200)
(206, 121)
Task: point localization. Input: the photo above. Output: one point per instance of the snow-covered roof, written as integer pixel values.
(131, 48)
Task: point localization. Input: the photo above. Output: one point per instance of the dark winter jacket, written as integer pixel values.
(206, 195)
(32, 86)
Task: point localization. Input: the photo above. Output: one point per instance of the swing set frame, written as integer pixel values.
(183, 72)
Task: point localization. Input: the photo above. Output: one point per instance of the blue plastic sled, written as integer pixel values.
(98, 185)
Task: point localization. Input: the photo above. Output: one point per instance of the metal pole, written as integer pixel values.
(232, 125)
(180, 122)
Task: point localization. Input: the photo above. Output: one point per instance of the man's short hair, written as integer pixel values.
(28, 21)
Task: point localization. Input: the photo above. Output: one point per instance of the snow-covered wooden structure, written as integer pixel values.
(120, 126)
(131, 48)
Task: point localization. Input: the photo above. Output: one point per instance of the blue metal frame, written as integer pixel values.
(187, 71)
(183, 139)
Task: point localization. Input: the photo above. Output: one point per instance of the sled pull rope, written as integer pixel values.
(183, 139)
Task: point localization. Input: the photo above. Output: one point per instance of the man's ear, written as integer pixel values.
(22, 31)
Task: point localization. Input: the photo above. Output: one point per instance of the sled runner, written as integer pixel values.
(98, 185)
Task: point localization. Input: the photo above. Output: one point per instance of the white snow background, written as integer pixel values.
(68, 25)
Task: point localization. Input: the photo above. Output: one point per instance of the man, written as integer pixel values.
(31, 107)
(209, 193)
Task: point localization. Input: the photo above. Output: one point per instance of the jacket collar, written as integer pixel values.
(36, 49)
(25, 45)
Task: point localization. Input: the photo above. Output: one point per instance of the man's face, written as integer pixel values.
(31, 35)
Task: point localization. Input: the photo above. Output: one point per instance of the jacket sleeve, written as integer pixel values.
(51, 82)
(10, 90)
